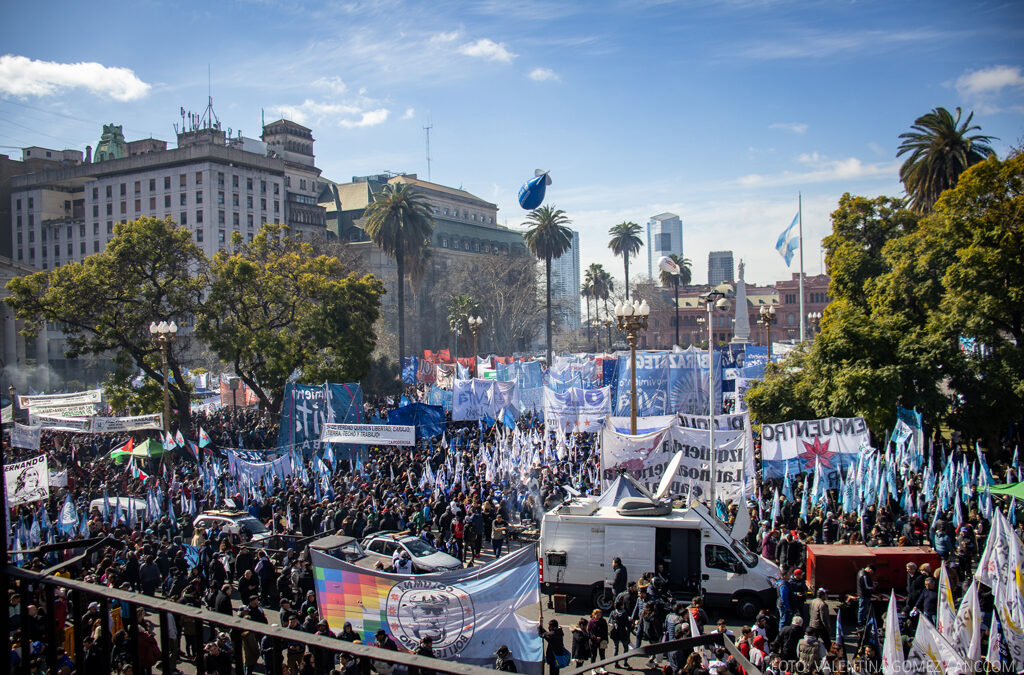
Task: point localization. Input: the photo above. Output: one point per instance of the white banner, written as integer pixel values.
(109, 425)
(59, 478)
(577, 409)
(25, 437)
(727, 429)
(27, 481)
(7, 414)
(370, 434)
(476, 399)
(57, 400)
(77, 410)
(99, 425)
(742, 384)
(647, 456)
(834, 441)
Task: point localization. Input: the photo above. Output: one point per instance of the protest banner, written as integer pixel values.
(370, 434)
(114, 425)
(478, 399)
(305, 410)
(647, 456)
(26, 437)
(668, 382)
(58, 478)
(27, 481)
(469, 613)
(577, 409)
(82, 425)
(835, 442)
(58, 400)
(76, 410)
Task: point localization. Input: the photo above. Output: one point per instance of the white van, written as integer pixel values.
(579, 539)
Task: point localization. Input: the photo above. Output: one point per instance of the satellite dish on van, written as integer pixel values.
(666, 478)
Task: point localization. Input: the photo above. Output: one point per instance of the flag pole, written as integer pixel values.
(803, 316)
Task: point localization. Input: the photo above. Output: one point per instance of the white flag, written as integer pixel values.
(892, 647)
(946, 612)
(967, 629)
(932, 653)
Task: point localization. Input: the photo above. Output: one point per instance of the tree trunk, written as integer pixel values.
(547, 324)
(399, 263)
(590, 335)
(625, 260)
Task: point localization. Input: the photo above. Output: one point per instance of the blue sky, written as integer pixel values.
(718, 111)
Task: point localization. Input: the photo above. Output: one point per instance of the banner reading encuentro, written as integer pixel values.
(835, 442)
(468, 613)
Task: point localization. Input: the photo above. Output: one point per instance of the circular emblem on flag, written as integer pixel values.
(419, 608)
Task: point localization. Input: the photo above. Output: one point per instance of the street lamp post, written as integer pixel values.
(814, 318)
(164, 334)
(666, 264)
(474, 327)
(715, 299)
(767, 319)
(632, 318)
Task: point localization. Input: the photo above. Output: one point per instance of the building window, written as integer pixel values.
(199, 177)
(81, 248)
(95, 247)
(124, 189)
(182, 199)
(70, 232)
(663, 241)
(220, 178)
(234, 219)
(138, 186)
(152, 203)
(263, 204)
(32, 254)
(95, 229)
(791, 298)
(277, 206)
(199, 235)
(81, 230)
(248, 201)
(95, 195)
(182, 180)
(167, 182)
(263, 186)
(152, 184)
(248, 220)
(95, 210)
(199, 196)
(19, 239)
(124, 208)
(234, 200)
(287, 181)
(138, 205)
(167, 201)
(234, 181)
(790, 319)
(220, 218)
(220, 198)
(277, 188)
(183, 220)
(199, 216)
(71, 249)
(110, 227)
(110, 193)
(220, 236)
(248, 184)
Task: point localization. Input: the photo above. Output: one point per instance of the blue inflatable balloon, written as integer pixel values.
(531, 194)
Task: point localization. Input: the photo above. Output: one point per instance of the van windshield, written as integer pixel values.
(744, 553)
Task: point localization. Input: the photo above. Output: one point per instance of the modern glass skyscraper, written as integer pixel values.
(565, 284)
(720, 267)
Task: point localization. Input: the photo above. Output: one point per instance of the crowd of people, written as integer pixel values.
(164, 555)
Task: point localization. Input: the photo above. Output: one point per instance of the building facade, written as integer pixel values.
(664, 237)
(565, 285)
(720, 267)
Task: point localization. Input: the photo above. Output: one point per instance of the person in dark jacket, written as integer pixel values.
(504, 661)
(554, 644)
(580, 642)
(915, 584)
(788, 639)
(927, 603)
(865, 589)
(222, 601)
(425, 648)
(620, 581)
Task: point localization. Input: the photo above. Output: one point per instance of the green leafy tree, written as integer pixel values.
(548, 237)
(150, 271)
(626, 242)
(941, 148)
(399, 222)
(275, 308)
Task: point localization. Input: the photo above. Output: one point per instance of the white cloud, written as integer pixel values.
(795, 127)
(333, 84)
(822, 170)
(989, 81)
(442, 38)
(409, 113)
(349, 115)
(544, 75)
(21, 76)
(485, 48)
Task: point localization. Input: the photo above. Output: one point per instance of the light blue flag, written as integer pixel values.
(83, 527)
(1013, 511)
(789, 240)
(775, 508)
(68, 517)
(787, 486)
(191, 556)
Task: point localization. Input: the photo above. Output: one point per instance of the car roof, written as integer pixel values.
(331, 541)
(224, 514)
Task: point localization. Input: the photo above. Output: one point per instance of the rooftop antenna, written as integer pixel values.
(209, 119)
(429, 125)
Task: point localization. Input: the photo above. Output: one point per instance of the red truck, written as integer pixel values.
(834, 567)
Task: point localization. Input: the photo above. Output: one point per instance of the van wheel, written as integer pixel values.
(747, 607)
(602, 599)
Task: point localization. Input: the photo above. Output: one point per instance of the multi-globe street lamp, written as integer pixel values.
(715, 300)
(814, 318)
(632, 318)
(767, 319)
(474, 326)
(164, 334)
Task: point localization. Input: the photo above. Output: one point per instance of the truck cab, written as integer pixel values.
(690, 548)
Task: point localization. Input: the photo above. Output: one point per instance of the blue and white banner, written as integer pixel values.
(26, 437)
(440, 397)
(410, 366)
(577, 409)
(306, 408)
(526, 374)
(477, 399)
(835, 442)
(469, 613)
(669, 382)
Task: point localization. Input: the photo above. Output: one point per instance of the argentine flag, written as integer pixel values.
(789, 240)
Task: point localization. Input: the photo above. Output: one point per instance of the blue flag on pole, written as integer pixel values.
(789, 240)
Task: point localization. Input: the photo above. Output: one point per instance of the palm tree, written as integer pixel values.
(683, 278)
(605, 286)
(398, 221)
(626, 242)
(940, 150)
(585, 291)
(548, 238)
(592, 281)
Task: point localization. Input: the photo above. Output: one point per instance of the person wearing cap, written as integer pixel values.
(425, 648)
(799, 592)
(504, 660)
(819, 617)
(784, 600)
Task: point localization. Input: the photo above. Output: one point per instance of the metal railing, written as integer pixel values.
(80, 594)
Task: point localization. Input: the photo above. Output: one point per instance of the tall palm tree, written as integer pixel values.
(592, 281)
(548, 238)
(585, 291)
(626, 242)
(940, 150)
(398, 221)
